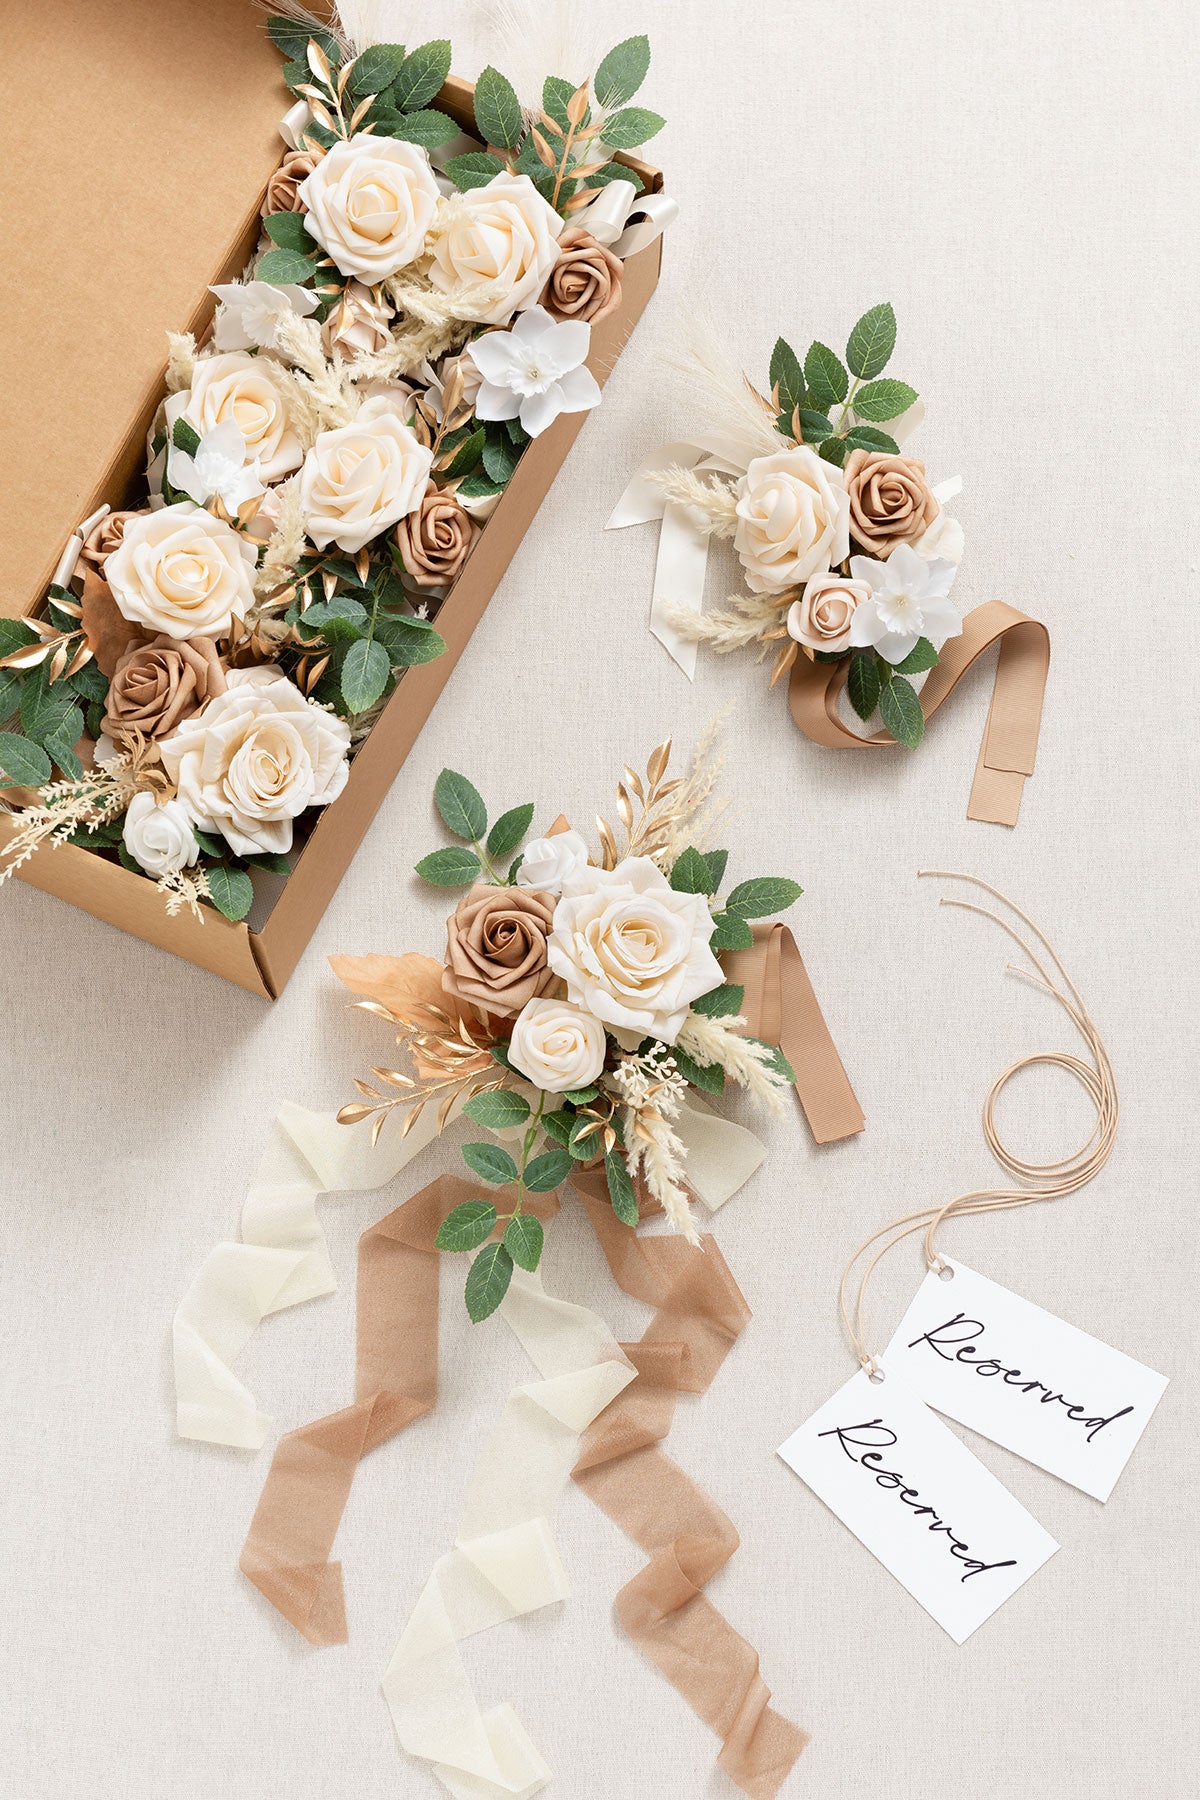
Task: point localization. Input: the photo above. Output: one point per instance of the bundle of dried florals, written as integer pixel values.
(323, 463)
(579, 999)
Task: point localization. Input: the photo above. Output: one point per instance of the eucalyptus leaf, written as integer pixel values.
(497, 110)
(231, 891)
(900, 710)
(884, 400)
(523, 1239)
(871, 342)
(487, 1281)
(491, 1162)
(24, 764)
(620, 1188)
(863, 682)
(461, 805)
(500, 1110)
(508, 830)
(422, 74)
(622, 72)
(450, 868)
(468, 1226)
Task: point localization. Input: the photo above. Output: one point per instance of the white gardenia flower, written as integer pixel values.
(361, 479)
(535, 371)
(250, 392)
(793, 519)
(631, 950)
(504, 237)
(370, 201)
(218, 469)
(908, 599)
(159, 837)
(249, 314)
(254, 758)
(549, 861)
(181, 571)
(557, 1046)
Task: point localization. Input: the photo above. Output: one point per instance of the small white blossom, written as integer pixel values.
(217, 469)
(535, 371)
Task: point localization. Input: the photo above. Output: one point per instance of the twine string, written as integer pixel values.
(1040, 1181)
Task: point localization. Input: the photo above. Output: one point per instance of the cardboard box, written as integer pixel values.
(155, 138)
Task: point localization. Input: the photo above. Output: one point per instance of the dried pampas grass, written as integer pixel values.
(744, 1060)
(714, 500)
(742, 621)
(721, 397)
(536, 38)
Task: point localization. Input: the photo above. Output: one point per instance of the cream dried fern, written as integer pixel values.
(744, 1060)
(743, 620)
(715, 500)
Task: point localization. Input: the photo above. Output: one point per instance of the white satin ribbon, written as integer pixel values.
(682, 561)
(608, 217)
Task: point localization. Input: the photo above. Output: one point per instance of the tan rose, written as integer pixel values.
(890, 500)
(496, 948)
(586, 282)
(358, 325)
(282, 196)
(156, 685)
(820, 619)
(436, 540)
(105, 536)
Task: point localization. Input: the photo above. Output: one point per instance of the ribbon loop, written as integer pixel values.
(1010, 738)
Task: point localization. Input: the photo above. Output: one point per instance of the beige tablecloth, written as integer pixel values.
(1021, 182)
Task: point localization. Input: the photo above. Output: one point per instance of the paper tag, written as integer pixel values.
(916, 1497)
(1027, 1380)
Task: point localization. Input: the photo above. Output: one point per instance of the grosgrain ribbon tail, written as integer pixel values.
(781, 1007)
(1010, 739)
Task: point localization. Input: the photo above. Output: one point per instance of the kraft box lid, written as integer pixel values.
(141, 135)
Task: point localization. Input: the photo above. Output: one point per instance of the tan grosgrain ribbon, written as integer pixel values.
(1010, 738)
(781, 1008)
(699, 1315)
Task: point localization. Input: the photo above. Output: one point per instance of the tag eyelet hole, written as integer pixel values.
(945, 1273)
(877, 1376)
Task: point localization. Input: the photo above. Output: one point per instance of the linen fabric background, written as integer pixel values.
(1021, 182)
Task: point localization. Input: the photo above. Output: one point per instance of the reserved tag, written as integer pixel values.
(1027, 1380)
(916, 1497)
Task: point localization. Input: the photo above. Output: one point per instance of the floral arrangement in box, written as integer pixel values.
(323, 463)
(577, 1004)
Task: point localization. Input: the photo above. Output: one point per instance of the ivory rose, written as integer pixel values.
(358, 325)
(249, 392)
(557, 1046)
(256, 757)
(159, 836)
(370, 201)
(504, 235)
(181, 572)
(361, 479)
(548, 861)
(793, 519)
(631, 950)
(821, 618)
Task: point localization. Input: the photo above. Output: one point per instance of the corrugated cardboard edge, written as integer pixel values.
(262, 962)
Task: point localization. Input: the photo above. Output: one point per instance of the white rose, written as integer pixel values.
(362, 478)
(549, 861)
(182, 572)
(632, 950)
(254, 758)
(793, 519)
(159, 837)
(503, 235)
(251, 393)
(557, 1046)
(370, 202)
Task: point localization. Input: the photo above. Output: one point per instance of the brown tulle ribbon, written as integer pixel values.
(699, 1313)
(1010, 737)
